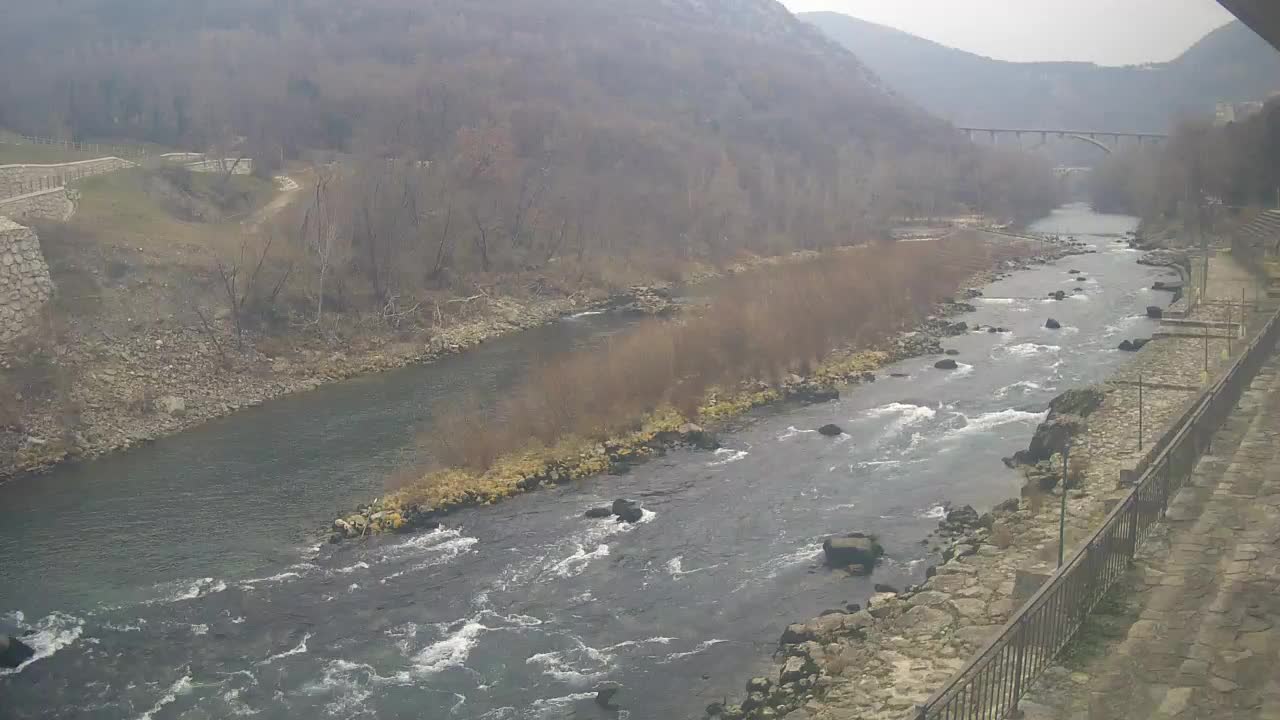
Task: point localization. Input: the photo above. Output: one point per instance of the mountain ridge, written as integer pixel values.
(1229, 64)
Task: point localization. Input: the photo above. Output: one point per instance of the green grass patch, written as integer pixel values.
(131, 203)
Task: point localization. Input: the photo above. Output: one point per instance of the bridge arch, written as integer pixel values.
(1092, 141)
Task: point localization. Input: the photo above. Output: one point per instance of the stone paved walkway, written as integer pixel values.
(1198, 636)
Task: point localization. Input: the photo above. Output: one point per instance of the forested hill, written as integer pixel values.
(707, 123)
(1229, 64)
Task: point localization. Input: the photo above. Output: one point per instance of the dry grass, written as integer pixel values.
(762, 325)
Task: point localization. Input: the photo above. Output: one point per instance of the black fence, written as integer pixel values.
(990, 685)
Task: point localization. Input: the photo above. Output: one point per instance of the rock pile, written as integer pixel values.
(642, 300)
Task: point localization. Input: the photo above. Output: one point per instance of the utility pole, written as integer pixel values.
(1140, 412)
(1062, 512)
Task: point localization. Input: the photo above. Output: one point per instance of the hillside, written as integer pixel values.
(660, 129)
(1229, 64)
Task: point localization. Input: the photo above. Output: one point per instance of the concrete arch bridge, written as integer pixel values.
(1097, 138)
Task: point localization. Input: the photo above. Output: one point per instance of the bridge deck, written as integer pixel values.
(1194, 630)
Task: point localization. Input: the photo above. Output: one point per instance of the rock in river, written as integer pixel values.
(13, 652)
(946, 364)
(1052, 324)
(1078, 401)
(1154, 312)
(852, 549)
(599, 512)
(627, 510)
(1052, 436)
(830, 430)
(605, 693)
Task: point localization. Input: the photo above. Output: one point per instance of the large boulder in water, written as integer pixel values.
(627, 510)
(961, 518)
(1052, 437)
(1052, 324)
(1154, 312)
(695, 435)
(604, 695)
(13, 652)
(947, 364)
(1079, 401)
(830, 430)
(852, 549)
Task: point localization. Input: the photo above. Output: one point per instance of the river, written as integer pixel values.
(177, 580)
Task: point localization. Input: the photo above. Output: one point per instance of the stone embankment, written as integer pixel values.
(1193, 629)
(881, 661)
(25, 286)
(28, 178)
(51, 204)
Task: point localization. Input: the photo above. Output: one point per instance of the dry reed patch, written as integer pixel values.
(761, 326)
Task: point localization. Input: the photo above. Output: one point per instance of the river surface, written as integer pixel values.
(178, 580)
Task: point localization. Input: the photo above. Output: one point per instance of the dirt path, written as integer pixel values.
(1193, 631)
(288, 191)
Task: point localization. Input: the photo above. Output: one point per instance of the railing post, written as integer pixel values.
(1020, 666)
(1133, 525)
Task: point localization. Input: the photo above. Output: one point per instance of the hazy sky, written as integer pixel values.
(1109, 32)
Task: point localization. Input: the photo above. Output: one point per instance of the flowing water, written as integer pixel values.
(176, 580)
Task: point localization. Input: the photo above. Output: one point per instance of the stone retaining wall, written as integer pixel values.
(26, 178)
(25, 286)
(52, 204)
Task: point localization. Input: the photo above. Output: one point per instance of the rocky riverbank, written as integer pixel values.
(106, 393)
(421, 504)
(881, 661)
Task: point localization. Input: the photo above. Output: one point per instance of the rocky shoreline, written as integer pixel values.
(450, 490)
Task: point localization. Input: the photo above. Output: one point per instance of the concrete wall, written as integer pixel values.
(23, 179)
(25, 286)
(51, 204)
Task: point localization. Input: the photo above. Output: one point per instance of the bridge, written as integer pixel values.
(1093, 137)
(1063, 171)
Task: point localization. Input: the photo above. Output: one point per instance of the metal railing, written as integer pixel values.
(103, 148)
(992, 682)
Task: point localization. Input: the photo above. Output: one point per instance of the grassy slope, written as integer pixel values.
(125, 248)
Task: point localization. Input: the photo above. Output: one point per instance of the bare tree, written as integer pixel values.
(242, 279)
(320, 235)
